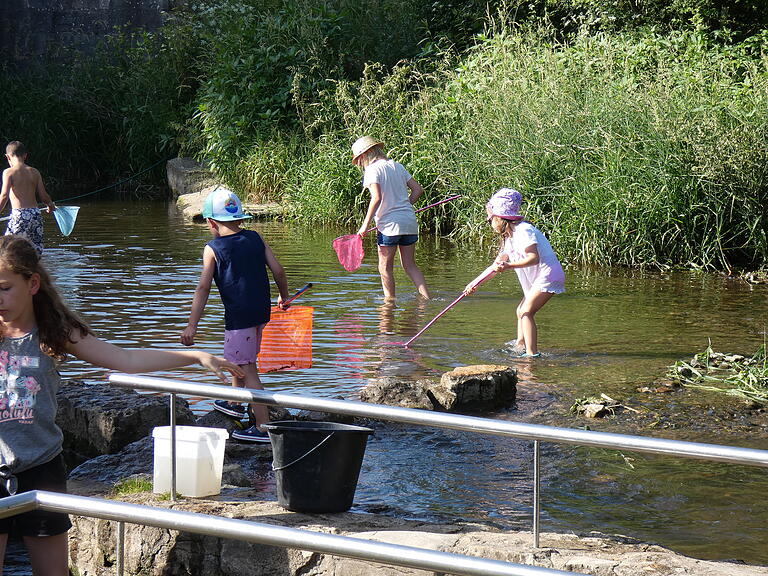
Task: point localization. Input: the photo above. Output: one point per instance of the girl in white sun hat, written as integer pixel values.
(524, 248)
(393, 193)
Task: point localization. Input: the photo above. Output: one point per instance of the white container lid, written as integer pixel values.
(190, 432)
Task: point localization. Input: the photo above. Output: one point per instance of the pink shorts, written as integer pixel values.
(243, 346)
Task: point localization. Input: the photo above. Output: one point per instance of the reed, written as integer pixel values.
(104, 114)
(629, 149)
(635, 148)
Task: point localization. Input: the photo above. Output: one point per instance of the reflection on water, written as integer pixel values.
(131, 270)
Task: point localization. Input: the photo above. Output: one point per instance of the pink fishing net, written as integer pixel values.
(349, 249)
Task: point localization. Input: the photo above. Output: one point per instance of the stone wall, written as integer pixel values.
(30, 28)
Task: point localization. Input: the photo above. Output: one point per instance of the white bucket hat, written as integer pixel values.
(223, 205)
(362, 145)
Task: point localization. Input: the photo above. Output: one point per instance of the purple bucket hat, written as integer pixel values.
(505, 203)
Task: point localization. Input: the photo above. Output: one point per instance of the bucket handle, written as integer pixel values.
(323, 441)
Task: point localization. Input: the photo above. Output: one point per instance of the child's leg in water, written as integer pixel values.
(520, 340)
(525, 313)
(3, 544)
(386, 270)
(408, 260)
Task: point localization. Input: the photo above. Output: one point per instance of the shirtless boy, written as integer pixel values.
(24, 186)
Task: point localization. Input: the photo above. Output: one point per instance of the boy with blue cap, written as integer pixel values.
(237, 261)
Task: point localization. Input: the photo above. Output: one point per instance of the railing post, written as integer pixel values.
(120, 549)
(536, 491)
(173, 446)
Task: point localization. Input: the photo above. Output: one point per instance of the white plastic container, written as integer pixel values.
(199, 460)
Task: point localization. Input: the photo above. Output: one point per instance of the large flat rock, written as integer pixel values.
(190, 182)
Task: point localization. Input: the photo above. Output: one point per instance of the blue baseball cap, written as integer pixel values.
(222, 204)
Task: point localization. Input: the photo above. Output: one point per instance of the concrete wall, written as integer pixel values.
(29, 28)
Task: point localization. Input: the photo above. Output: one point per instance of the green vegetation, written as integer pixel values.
(629, 150)
(132, 485)
(636, 131)
(730, 374)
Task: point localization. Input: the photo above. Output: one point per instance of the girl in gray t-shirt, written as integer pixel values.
(37, 330)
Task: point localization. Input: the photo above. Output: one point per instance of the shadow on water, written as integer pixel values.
(131, 270)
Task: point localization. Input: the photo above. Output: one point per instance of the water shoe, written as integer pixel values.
(230, 408)
(252, 434)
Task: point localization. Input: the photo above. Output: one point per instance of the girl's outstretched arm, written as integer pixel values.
(101, 353)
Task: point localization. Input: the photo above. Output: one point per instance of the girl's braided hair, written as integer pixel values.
(56, 323)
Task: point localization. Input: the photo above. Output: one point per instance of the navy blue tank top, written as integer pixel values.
(242, 280)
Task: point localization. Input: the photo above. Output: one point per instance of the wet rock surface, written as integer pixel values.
(469, 388)
(101, 419)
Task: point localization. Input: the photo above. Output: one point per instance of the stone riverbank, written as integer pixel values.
(156, 552)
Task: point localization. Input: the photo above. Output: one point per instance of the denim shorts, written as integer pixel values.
(401, 240)
(51, 476)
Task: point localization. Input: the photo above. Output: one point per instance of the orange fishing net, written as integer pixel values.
(286, 343)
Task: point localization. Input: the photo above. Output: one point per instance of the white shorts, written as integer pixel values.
(551, 287)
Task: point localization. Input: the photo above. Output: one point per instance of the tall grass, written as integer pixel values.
(629, 149)
(264, 58)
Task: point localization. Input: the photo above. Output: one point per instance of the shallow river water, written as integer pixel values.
(131, 269)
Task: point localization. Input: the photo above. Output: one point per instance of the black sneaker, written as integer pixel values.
(252, 434)
(230, 409)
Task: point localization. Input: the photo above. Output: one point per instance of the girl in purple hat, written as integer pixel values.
(524, 248)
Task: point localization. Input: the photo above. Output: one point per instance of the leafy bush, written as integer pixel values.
(103, 114)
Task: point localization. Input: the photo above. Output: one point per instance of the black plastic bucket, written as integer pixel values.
(316, 464)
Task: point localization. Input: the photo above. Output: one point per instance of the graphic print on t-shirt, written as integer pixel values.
(17, 392)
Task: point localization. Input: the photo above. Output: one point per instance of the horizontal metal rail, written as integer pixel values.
(678, 448)
(245, 530)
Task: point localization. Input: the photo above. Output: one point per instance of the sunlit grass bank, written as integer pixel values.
(641, 148)
(628, 150)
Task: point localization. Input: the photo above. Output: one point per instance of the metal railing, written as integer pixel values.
(248, 531)
(535, 432)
